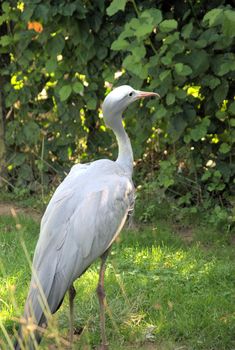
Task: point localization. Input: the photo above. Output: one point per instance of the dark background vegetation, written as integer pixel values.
(58, 60)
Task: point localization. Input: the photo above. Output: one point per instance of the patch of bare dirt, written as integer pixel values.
(13, 210)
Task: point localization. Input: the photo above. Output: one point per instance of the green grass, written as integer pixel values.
(163, 292)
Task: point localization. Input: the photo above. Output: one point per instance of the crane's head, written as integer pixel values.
(118, 100)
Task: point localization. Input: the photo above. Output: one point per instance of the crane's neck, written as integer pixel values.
(125, 153)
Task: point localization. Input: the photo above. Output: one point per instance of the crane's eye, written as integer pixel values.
(131, 93)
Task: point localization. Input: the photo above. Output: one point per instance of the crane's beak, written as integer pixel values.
(143, 94)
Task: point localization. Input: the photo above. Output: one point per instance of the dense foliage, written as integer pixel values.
(58, 59)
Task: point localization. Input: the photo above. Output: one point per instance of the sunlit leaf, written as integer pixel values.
(119, 44)
(213, 17)
(168, 25)
(115, 6)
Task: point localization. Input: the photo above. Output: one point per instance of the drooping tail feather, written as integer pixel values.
(28, 343)
(34, 317)
(40, 304)
(37, 308)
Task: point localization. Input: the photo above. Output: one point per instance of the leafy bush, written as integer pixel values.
(64, 56)
(188, 58)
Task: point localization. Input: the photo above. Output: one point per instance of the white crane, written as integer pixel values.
(82, 219)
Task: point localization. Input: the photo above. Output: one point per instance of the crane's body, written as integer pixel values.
(83, 218)
(81, 221)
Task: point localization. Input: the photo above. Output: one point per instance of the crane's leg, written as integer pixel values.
(101, 297)
(72, 294)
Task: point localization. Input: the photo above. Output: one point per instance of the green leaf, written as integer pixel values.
(6, 7)
(211, 81)
(78, 87)
(221, 92)
(161, 112)
(11, 98)
(115, 6)
(166, 60)
(128, 30)
(223, 64)
(173, 38)
(65, 92)
(43, 11)
(176, 127)
(179, 68)
(6, 40)
(166, 174)
(229, 23)
(101, 52)
(135, 67)
(139, 52)
(200, 130)
(31, 131)
(189, 113)
(153, 15)
(25, 172)
(168, 25)
(207, 174)
(170, 99)
(143, 29)
(187, 30)
(3, 18)
(19, 159)
(231, 108)
(201, 43)
(56, 45)
(91, 103)
(213, 17)
(232, 122)
(51, 65)
(28, 12)
(226, 67)
(221, 115)
(198, 60)
(182, 69)
(224, 148)
(165, 74)
(181, 94)
(119, 44)
(68, 9)
(146, 22)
